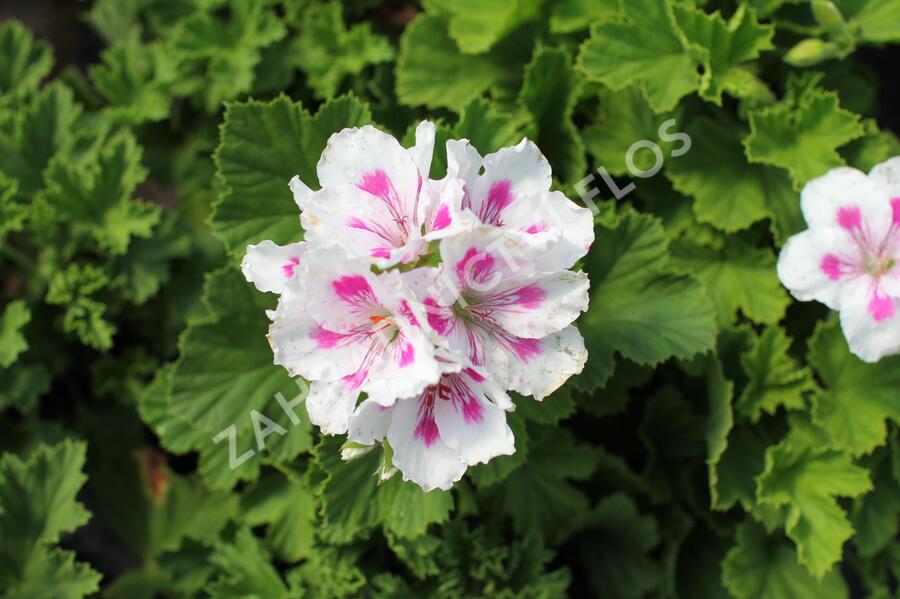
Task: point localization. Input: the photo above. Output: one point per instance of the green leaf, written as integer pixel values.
(12, 213)
(622, 119)
(96, 197)
(287, 508)
(84, 315)
(135, 81)
(737, 277)
(806, 477)
(225, 52)
(615, 549)
(244, 570)
(263, 145)
(876, 21)
(329, 52)
(37, 506)
(802, 133)
(476, 25)
(719, 423)
(876, 516)
(432, 71)
(549, 93)
(856, 398)
(12, 343)
(728, 44)
(763, 567)
(637, 308)
(732, 476)
(225, 378)
(41, 129)
(539, 495)
(731, 194)
(648, 48)
(23, 63)
(574, 15)
(496, 470)
(354, 500)
(775, 378)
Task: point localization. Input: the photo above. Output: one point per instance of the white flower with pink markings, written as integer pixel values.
(414, 305)
(849, 258)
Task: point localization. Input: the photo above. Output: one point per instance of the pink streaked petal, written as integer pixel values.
(525, 349)
(849, 217)
(354, 290)
(538, 228)
(881, 307)
(407, 313)
(439, 317)
(895, 207)
(355, 380)
(326, 339)
(379, 185)
(426, 428)
(405, 353)
(831, 266)
(442, 219)
(499, 197)
(380, 252)
(530, 296)
(475, 268)
(288, 268)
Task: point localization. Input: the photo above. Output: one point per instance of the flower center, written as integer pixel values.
(879, 265)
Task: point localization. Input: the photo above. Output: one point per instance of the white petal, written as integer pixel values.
(354, 154)
(844, 196)
(536, 306)
(463, 162)
(887, 176)
(330, 406)
(472, 425)
(297, 342)
(300, 190)
(430, 464)
(560, 356)
(548, 213)
(509, 175)
(869, 338)
(804, 269)
(423, 151)
(268, 265)
(369, 424)
(353, 221)
(404, 372)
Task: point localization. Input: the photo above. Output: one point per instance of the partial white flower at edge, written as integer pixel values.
(849, 258)
(397, 355)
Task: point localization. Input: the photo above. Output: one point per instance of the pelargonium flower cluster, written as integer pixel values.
(415, 305)
(849, 258)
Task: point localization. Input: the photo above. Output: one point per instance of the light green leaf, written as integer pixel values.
(37, 506)
(135, 80)
(648, 48)
(224, 52)
(737, 277)
(802, 133)
(476, 25)
(637, 307)
(876, 21)
(728, 44)
(763, 567)
(730, 193)
(12, 343)
(23, 63)
(432, 71)
(96, 197)
(329, 52)
(573, 15)
(73, 288)
(857, 397)
(775, 378)
(549, 93)
(41, 129)
(806, 477)
(263, 145)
